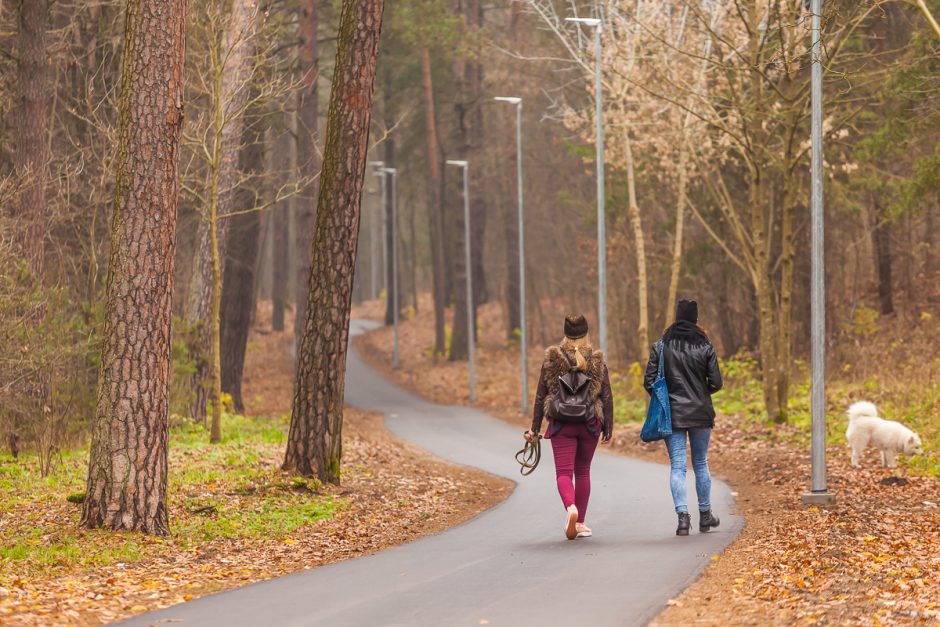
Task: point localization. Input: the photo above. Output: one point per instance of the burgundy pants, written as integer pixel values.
(573, 447)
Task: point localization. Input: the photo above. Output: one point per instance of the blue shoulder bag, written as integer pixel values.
(658, 422)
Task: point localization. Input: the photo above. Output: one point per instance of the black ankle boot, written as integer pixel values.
(707, 521)
(685, 521)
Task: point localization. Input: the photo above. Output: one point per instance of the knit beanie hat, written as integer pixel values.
(576, 327)
(687, 310)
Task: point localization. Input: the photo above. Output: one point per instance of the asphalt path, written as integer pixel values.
(510, 565)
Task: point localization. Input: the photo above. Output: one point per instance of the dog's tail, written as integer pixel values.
(862, 409)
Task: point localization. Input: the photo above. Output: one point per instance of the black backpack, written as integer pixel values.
(573, 402)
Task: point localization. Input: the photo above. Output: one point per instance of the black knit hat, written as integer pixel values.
(687, 310)
(576, 327)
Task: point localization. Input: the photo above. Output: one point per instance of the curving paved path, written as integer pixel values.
(508, 566)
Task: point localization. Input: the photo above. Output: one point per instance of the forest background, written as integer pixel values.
(706, 118)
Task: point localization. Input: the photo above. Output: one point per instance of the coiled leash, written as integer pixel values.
(529, 456)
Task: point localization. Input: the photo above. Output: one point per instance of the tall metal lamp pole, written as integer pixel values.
(524, 338)
(601, 220)
(396, 357)
(380, 172)
(820, 493)
(466, 244)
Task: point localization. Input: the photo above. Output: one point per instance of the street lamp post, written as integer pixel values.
(466, 241)
(524, 338)
(601, 219)
(374, 234)
(820, 493)
(396, 359)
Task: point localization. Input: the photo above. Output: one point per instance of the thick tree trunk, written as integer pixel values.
(475, 139)
(639, 244)
(305, 206)
(466, 126)
(30, 133)
(30, 157)
(238, 288)
(127, 470)
(435, 204)
(314, 445)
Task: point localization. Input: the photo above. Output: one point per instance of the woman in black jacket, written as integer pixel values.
(692, 376)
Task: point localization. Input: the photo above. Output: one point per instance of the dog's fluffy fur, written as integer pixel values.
(890, 437)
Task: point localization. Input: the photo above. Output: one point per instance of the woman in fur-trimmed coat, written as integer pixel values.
(574, 442)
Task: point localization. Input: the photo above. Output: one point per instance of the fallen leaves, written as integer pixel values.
(872, 559)
(391, 493)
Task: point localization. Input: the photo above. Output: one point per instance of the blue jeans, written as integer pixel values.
(675, 444)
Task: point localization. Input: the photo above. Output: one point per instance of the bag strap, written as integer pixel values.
(661, 368)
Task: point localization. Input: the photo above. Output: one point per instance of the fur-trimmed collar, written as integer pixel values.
(556, 364)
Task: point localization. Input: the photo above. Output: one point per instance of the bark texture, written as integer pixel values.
(314, 446)
(127, 470)
(435, 204)
(238, 289)
(305, 209)
(467, 139)
(30, 116)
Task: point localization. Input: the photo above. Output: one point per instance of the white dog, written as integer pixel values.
(866, 427)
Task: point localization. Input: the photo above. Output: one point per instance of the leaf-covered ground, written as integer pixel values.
(872, 559)
(235, 517)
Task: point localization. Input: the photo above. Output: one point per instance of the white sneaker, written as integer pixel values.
(571, 524)
(583, 530)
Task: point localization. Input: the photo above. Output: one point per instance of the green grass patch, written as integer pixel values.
(229, 491)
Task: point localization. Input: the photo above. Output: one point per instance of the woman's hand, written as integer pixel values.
(530, 437)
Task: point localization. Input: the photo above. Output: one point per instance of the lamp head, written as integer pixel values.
(459, 164)
(587, 21)
(510, 99)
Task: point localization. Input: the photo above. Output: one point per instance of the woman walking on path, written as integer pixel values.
(574, 394)
(692, 376)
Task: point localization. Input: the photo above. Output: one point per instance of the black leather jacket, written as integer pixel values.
(692, 375)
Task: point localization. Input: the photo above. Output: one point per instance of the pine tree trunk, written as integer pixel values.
(314, 445)
(127, 469)
(639, 242)
(238, 288)
(29, 130)
(463, 140)
(435, 204)
(305, 206)
(475, 138)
